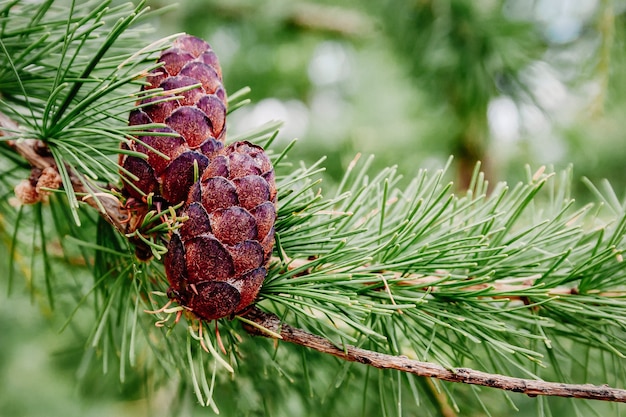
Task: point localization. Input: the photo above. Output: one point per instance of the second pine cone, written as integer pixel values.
(216, 262)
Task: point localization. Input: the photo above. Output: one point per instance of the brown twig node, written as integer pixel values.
(530, 387)
(45, 175)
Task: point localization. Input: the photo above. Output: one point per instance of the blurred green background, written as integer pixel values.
(506, 82)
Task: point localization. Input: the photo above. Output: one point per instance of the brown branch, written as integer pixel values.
(350, 353)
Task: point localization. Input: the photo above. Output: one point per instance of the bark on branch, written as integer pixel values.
(529, 387)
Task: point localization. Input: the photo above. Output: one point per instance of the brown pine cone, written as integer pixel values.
(216, 261)
(198, 117)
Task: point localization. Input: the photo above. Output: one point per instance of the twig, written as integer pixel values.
(502, 288)
(36, 153)
(530, 387)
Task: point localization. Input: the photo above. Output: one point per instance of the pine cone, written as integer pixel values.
(216, 261)
(198, 117)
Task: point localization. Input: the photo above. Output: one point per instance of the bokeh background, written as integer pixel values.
(506, 82)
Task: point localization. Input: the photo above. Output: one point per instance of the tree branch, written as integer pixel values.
(502, 288)
(269, 325)
(529, 387)
(36, 153)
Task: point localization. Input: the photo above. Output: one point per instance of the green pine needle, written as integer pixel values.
(65, 73)
(517, 280)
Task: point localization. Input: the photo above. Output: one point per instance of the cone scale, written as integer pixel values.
(216, 261)
(195, 122)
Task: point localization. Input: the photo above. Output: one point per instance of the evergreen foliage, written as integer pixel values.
(512, 279)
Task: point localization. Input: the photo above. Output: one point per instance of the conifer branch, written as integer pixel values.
(530, 387)
(34, 152)
(428, 283)
(37, 155)
(452, 277)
